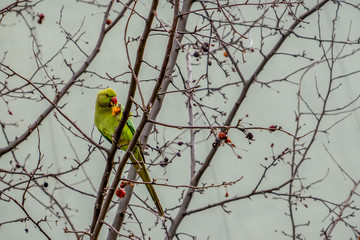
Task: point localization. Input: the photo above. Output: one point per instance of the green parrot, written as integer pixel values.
(107, 117)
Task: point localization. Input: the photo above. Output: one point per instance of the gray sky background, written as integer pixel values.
(256, 218)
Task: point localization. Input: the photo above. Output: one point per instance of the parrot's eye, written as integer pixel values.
(107, 95)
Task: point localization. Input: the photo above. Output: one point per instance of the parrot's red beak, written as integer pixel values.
(114, 100)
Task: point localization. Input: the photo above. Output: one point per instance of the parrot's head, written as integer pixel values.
(106, 98)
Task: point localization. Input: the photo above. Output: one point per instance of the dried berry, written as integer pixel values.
(164, 163)
(180, 143)
(108, 21)
(46, 184)
(10, 112)
(250, 136)
(226, 54)
(178, 154)
(217, 143)
(196, 54)
(205, 46)
(18, 165)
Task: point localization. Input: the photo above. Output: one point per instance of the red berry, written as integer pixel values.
(10, 112)
(108, 21)
(123, 184)
(222, 135)
(120, 192)
(41, 18)
(252, 50)
(226, 194)
(272, 128)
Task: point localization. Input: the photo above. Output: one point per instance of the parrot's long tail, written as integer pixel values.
(144, 174)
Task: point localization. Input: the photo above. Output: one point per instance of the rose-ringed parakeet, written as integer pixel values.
(107, 117)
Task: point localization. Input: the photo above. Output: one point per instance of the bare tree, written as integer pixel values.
(234, 101)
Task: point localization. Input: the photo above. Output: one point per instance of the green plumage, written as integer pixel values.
(106, 122)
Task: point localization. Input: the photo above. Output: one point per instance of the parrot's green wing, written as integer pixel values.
(129, 122)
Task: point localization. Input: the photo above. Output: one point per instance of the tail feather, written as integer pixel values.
(144, 175)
